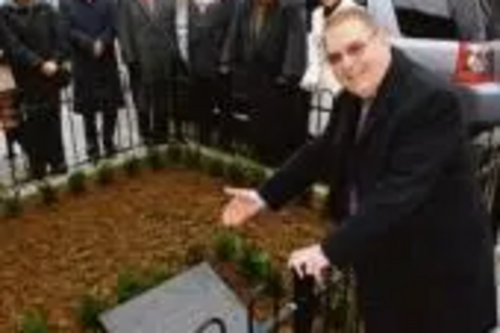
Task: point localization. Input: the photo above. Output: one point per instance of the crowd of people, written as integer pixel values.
(192, 64)
(395, 155)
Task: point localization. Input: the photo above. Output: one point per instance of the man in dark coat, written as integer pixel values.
(202, 27)
(266, 53)
(38, 54)
(146, 35)
(396, 156)
(91, 31)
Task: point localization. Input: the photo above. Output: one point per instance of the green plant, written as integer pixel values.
(12, 206)
(76, 182)
(195, 254)
(228, 246)
(342, 298)
(155, 159)
(132, 283)
(173, 153)
(255, 264)
(132, 166)
(33, 321)
(88, 311)
(254, 174)
(275, 284)
(190, 157)
(47, 192)
(129, 285)
(104, 174)
(214, 166)
(154, 277)
(235, 171)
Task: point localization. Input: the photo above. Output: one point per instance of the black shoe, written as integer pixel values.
(59, 169)
(109, 150)
(93, 156)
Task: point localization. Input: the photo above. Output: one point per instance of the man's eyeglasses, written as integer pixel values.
(354, 49)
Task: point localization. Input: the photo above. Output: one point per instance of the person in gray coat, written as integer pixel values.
(145, 33)
(97, 89)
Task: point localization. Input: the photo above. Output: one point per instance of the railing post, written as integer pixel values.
(306, 303)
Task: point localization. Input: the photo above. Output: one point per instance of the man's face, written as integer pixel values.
(358, 55)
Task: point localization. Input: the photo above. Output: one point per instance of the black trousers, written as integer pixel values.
(206, 95)
(153, 112)
(278, 125)
(92, 133)
(41, 139)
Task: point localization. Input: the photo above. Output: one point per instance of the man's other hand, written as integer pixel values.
(309, 261)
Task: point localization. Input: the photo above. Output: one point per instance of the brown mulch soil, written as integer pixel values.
(51, 256)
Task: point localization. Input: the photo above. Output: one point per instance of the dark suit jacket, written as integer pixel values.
(96, 80)
(146, 37)
(34, 34)
(419, 241)
(279, 50)
(207, 35)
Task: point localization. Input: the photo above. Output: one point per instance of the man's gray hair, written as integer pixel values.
(350, 13)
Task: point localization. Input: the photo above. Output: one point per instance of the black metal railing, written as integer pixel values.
(329, 308)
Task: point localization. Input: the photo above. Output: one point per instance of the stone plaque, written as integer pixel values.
(180, 305)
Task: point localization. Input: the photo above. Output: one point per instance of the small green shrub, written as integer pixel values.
(228, 246)
(129, 285)
(275, 284)
(104, 174)
(195, 254)
(155, 159)
(88, 311)
(48, 193)
(173, 153)
(76, 182)
(11, 206)
(214, 166)
(254, 175)
(156, 276)
(33, 321)
(235, 172)
(132, 166)
(190, 157)
(255, 264)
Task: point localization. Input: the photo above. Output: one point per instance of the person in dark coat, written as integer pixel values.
(38, 54)
(396, 155)
(96, 83)
(266, 52)
(146, 35)
(201, 31)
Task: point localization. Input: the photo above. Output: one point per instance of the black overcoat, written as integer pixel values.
(420, 241)
(96, 80)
